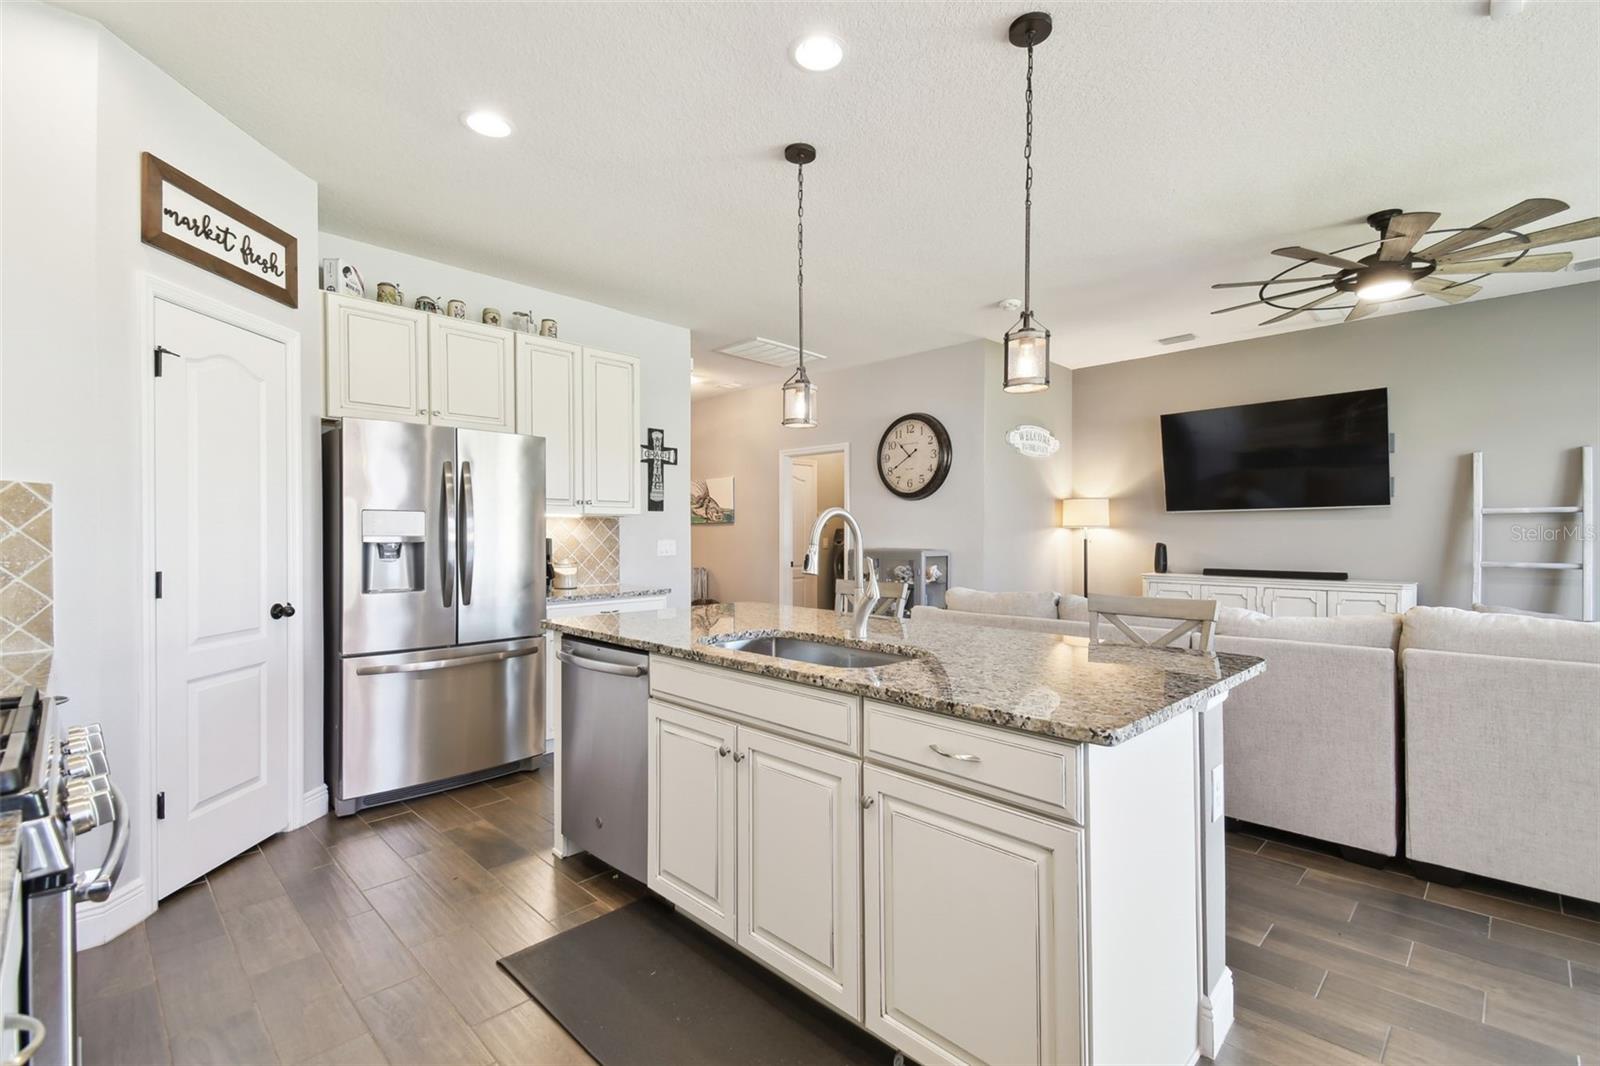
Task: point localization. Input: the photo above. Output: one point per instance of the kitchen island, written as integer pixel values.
(981, 844)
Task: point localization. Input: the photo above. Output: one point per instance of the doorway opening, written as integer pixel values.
(811, 480)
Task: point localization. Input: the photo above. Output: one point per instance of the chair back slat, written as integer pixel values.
(1190, 616)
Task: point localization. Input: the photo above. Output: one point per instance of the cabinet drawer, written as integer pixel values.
(1038, 774)
(1240, 596)
(1343, 603)
(799, 710)
(1281, 601)
(1171, 590)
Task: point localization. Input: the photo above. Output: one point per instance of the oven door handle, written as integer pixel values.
(25, 1023)
(96, 887)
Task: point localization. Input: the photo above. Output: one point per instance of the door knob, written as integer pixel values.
(282, 610)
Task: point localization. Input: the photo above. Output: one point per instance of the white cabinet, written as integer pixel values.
(377, 360)
(973, 927)
(612, 472)
(585, 403)
(472, 372)
(1288, 597)
(800, 865)
(693, 813)
(549, 394)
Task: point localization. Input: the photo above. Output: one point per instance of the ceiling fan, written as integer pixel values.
(1444, 270)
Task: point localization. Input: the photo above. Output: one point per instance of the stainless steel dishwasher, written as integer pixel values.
(602, 751)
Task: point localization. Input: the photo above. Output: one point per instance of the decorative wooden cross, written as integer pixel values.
(658, 455)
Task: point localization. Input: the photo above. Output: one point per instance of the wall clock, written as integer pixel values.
(914, 456)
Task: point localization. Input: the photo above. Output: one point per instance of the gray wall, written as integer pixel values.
(1517, 378)
(992, 493)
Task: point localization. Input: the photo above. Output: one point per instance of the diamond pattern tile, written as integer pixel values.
(27, 584)
(592, 544)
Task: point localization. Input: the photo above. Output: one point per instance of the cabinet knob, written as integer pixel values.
(436, 414)
(867, 801)
(723, 751)
(738, 756)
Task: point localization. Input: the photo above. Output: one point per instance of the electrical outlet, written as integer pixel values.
(666, 547)
(1216, 793)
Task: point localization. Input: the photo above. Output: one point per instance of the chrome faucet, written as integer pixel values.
(866, 593)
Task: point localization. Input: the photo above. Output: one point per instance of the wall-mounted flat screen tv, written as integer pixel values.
(1315, 451)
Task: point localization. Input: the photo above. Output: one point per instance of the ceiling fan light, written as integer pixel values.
(1027, 358)
(1383, 287)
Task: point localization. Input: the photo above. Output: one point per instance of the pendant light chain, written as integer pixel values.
(1027, 202)
(800, 256)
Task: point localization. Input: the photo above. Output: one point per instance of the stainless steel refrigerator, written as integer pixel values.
(435, 586)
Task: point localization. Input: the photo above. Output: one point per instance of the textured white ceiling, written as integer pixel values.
(1177, 143)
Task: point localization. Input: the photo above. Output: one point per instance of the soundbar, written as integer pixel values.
(1293, 575)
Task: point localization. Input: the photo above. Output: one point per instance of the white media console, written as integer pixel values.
(1288, 597)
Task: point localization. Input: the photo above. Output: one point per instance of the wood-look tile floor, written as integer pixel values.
(374, 939)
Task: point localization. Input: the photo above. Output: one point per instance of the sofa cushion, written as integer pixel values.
(1357, 631)
(1072, 608)
(1022, 604)
(1514, 635)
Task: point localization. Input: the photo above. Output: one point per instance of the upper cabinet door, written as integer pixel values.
(549, 389)
(473, 372)
(377, 360)
(612, 474)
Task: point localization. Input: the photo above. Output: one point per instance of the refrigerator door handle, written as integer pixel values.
(446, 664)
(447, 553)
(469, 533)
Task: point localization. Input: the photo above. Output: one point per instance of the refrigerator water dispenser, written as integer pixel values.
(392, 544)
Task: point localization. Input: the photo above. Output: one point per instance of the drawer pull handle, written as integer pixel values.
(957, 756)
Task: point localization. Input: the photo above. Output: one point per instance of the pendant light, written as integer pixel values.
(799, 395)
(1027, 362)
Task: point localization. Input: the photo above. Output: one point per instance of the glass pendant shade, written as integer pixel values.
(1027, 358)
(800, 401)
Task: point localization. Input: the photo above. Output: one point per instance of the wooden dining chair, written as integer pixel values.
(1190, 615)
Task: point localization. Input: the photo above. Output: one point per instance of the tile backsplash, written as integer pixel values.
(27, 585)
(591, 543)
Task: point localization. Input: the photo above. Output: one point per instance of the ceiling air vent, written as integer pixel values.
(1586, 264)
(767, 353)
(1176, 338)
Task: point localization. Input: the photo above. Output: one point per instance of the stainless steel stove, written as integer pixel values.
(60, 787)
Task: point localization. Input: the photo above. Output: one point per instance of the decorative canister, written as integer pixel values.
(566, 575)
(428, 304)
(547, 327)
(389, 293)
(491, 316)
(456, 308)
(521, 321)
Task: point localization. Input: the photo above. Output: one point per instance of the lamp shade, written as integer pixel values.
(1085, 513)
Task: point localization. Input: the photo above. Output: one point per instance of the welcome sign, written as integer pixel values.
(199, 225)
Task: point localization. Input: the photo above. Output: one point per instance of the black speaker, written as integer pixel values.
(1161, 558)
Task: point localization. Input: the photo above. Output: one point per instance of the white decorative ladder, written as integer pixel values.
(1582, 513)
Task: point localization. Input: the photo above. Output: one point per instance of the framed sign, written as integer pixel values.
(199, 225)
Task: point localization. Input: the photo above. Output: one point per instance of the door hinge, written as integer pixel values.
(158, 584)
(160, 351)
(161, 805)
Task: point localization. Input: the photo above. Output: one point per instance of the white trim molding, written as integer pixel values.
(100, 923)
(1216, 1015)
(786, 457)
(313, 805)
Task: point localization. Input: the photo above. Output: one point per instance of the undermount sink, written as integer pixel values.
(813, 651)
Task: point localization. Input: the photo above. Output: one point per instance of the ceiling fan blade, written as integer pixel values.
(1309, 256)
(1555, 261)
(1572, 231)
(1443, 290)
(1362, 309)
(1511, 218)
(1275, 296)
(1402, 232)
(1272, 281)
(1303, 307)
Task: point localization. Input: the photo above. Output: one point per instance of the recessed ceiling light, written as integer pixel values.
(818, 52)
(488, 123)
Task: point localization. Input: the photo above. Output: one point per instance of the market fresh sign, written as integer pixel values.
(196, 223)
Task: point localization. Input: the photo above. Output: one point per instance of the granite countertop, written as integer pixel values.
(10, 822)
(1051, 684)
(604, 592)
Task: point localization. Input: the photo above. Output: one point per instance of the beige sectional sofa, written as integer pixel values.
(1501, 737)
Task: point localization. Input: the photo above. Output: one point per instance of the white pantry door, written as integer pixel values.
(803, 512)
(221, 503)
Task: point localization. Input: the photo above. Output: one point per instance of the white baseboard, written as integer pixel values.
(313, 805)
(131, 903)
(1216, 1015)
